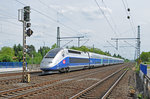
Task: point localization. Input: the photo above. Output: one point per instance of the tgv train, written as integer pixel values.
(64, 60)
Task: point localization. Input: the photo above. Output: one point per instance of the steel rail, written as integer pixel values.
(60, 81)
(109, 90)
(94, 85)
(147, 78)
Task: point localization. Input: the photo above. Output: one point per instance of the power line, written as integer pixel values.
(6, 14)
(129, 14)
(115, 26)
(10, 22)
(56, 11)
(6, 33)
(49, 17)
(105, 17)
(6, 18)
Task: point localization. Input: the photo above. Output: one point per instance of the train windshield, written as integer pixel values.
(52, 53)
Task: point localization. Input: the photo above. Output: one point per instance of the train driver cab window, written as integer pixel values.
(52, 53)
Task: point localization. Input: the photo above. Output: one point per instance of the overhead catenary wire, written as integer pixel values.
(100, 9)
(6, 34)
(2, 14)
(57, 12)
(11, 22)
(129, 14)
(115, 26)
(50, 18)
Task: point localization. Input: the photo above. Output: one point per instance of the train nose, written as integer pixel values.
(46, 63)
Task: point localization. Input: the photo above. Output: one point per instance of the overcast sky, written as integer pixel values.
(78, 18)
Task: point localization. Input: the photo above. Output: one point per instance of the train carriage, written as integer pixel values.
(63, 60)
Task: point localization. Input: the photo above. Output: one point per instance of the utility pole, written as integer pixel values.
(93, 48)
(116, 44)
(138, 42)
(58, 37)
(111, 45)
(24, 78)
(24, 17)
(138, 46)
(44, 48)
(78, 41)
(78, 37)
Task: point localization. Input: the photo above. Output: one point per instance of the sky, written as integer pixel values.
(97, 20)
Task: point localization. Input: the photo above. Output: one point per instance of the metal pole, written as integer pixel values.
(78, 41)
(138, 45)
(93, 48)
(58, 37)
(116, 44)
(138, 42)
(24, 75)
(44, 48)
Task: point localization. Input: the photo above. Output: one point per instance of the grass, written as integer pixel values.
(148, 63)
(137, 68)
(139, 96)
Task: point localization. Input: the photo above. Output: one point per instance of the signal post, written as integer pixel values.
(24, 17)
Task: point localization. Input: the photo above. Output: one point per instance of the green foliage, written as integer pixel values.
(30, 50)
(137, 68)
(43, 50)
(119, 56)
(15, 54)
(54, 46)
(140, 96)
(17, 49)
(145, 56)
(86, 49)
(96, 50)
(5, 58)
(6, 54)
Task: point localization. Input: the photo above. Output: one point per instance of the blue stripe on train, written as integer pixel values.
(65, 63)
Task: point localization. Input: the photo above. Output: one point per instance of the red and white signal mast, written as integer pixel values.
(24, 17)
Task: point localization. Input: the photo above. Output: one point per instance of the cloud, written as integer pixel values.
(90, 12)
(38, 34)
(86, 31)
(94, 13)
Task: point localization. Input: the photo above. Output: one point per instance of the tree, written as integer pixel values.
(145, 56)
(30, 50)
(6, 54)
(17, 49)
(54, 46)
(43, 50)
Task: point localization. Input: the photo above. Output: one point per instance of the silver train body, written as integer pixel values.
(63, 60)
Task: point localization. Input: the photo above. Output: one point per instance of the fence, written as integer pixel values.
(146, 80)
(10, 64)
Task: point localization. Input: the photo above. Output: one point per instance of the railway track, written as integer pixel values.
(15, 77)
(102, 88)
(33, 90)
(16, 74)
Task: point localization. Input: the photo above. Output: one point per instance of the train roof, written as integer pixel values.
(91, 53)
